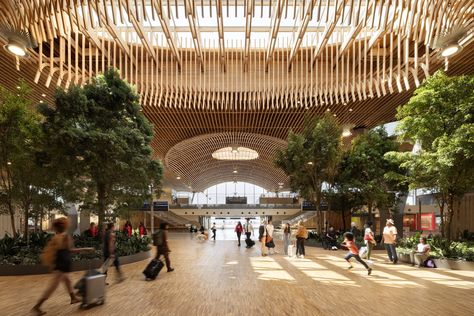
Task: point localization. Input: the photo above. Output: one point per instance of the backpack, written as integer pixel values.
(158, 239)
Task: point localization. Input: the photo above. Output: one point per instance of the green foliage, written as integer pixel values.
(440, 247)
(20, 250)
(366, 169)
(312, 157)
(24, 183)
(98, 141)
(440, 117)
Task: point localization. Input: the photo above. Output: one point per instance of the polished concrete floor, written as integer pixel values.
(220, 278)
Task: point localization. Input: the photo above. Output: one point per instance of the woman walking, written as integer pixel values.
(369, 239)
(301, 235)
(269, 240)
(287, 238)
(239, 229)
(57, 255)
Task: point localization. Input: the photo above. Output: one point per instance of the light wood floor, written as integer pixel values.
(219, 278)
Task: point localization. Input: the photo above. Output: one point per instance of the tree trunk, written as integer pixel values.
(441, 212)
(369, 208)
(12, 219)
(27, 214)
(450, 217)
(343, 215)
(41, 220)
(101, 206)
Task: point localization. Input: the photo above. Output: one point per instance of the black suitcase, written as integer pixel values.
(250, 243)
(153, 268)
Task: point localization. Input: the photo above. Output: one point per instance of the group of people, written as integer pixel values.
(57, 255)
(93, 230)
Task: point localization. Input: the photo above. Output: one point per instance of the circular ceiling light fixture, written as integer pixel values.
(451, 50)
(18, 41)
(235, 153)
(178, 178)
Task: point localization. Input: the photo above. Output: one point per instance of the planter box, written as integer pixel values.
(454, 264)
(8, 270)
(405, 258)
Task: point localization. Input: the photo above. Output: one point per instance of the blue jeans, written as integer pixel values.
(391, 252)
(357, 257)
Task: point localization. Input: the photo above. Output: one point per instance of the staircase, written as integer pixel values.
(174, 219)
(301, 216)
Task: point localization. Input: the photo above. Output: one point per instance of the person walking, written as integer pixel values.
(353, 252)
(160, 239)
(286, 238)
(109, 252)
(248, 229)
(369, 239)
(214, 229)
(390, 240)
(239, 229)
(262, 237)
(301, 235)
(269, 243)
(57, 256)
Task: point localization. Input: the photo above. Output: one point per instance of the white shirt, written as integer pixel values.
(270, 229)
(249, 228)
(389, 234)
(423, 247)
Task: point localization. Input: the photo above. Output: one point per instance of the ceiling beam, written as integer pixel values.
(275, 26)
(164, 22)
(307, 16)
(194, 28)
(249, 4)
(220, 30)
(328, 31)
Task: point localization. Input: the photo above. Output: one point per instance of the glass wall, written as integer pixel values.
(218, 193)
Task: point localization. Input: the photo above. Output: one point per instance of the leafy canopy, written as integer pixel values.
(99, 141)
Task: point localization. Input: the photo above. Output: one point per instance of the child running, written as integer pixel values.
(353, 252)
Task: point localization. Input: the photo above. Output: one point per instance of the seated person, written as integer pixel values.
(422, 252)
(92, 231)
(331, 239)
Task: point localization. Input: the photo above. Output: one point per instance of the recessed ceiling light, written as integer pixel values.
(350, 110)
(346, 133)
(334, 115)
(9, 163)
(18, 87)
(310, 162)
(41, 101)
(328, 109)
(178, 178)
(280, 183)
(43, 95)
(235, 171)
(450, 50)
(16, 49)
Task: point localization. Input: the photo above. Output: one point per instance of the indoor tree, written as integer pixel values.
(440, 117)
(310, 158)
(98, 140)
(20, 136)
(366, 170)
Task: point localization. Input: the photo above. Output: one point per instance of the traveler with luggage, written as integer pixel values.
(160, 239)
(109, 252)
(248, 232)
(269, 243)
(262, 236)
(57, 255)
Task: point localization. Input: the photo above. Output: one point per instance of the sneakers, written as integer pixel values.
(170, 269)
(302, 256)
(369, 271)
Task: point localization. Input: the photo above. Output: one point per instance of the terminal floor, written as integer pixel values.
(220, 278)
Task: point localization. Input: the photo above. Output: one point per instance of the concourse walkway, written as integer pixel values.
(220, 278)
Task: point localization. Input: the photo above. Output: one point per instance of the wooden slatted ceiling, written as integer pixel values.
(360, 59)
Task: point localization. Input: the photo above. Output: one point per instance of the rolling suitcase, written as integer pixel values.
(92, 288)
(290, 250)
(153, 268)
(249, 242)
